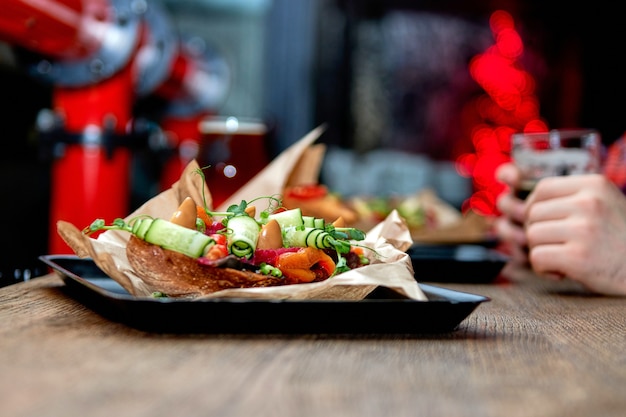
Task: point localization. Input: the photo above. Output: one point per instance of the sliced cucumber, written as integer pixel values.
(174, 237)
(310, 221)
(288, 218)
(243, 236)
(298, 237)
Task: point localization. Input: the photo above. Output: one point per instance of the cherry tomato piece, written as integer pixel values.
(307, 191)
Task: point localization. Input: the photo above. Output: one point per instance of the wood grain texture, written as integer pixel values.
(536, 349)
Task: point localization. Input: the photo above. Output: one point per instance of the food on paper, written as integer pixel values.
(384, 246)
(423, 210)
(429, 218)
(199, 251)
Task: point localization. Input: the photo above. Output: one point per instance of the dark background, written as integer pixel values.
(582, 83)
(577, 42)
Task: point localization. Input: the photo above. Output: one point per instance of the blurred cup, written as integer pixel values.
(234, 150)
(554, 153)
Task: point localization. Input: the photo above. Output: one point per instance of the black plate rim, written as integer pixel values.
(455, 304)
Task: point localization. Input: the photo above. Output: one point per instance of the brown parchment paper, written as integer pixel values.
(290, 166)
(390, 266)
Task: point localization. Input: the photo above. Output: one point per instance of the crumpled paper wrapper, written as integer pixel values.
(390, 266)
(298, 164)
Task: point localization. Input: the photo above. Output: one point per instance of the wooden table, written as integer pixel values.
(536, 349)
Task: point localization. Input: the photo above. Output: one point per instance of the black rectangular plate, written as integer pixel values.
(456, 263)
(384, 312)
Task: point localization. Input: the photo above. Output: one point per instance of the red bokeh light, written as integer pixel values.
(500, 20)
(509, 105)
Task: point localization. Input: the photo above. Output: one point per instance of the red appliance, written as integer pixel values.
(99, 56)
(86, 50)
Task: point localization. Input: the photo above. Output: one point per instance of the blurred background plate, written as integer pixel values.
(470, 229)
(456, 263)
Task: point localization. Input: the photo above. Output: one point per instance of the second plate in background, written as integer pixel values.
(456, 263)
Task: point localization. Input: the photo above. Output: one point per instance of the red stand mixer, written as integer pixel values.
(100, 56)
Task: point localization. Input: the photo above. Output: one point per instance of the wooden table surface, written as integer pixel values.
(536, 349)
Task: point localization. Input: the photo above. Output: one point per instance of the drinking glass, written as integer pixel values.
(235, 150)
(553, 153)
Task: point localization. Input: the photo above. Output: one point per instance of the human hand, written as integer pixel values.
(576, 227)
(509, 225)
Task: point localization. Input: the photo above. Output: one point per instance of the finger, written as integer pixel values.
(510, 231)
(512, 207)
(554, 187)
(562, 197)
(552, 260)
(553, 209)
(547, 232)
(508, 173)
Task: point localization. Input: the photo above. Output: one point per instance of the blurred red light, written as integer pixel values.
(465, 164)
(500, 20)
(509, 43)
(508, 106)
(536, 125)
(483, 202)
